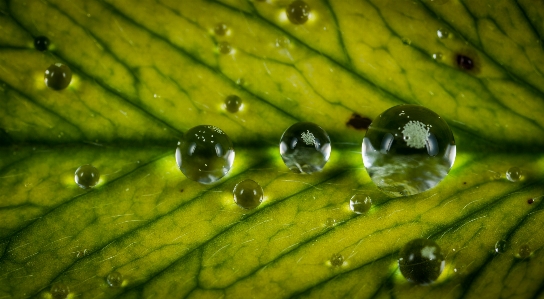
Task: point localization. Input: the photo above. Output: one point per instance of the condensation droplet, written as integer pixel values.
(514, 174)
(115, 279)
(337, 260)
(59, 290)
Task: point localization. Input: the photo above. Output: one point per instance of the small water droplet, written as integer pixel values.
(415, 160)
(221, 29)
(58, 76)
(233, 103)
(224, 47)
(298, 12)
(337, 260)
(514, 174)
(442, 33)
(500, 246)
(360, 203)
(305, 147)
(524, 251)
(248, 194)
(330, 222)
(41, 43)
(59, 290)
(87, 176)
(115, 279)
(406, 41)
(204, 158)
(282, 42)
(421, 261)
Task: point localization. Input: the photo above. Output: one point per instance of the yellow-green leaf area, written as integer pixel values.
(144, 73)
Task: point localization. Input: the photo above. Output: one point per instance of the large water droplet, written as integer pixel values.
(205, 154)
(298, 12)
(514, 174)
(421, 261)
(221, 29)
(233, 103)
(115, 279)
(41, 43)
(337, 260)
(360, 203)
(248, 194)
(305, 147)
(408, 149)
(87, 176)
(58, 76)
(59, 291)
(500, 246)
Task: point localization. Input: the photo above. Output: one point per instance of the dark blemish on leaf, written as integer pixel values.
(468, 61)
(358, 122)
(464, 183)
(465, 62)
(181, 190)
(530, 201)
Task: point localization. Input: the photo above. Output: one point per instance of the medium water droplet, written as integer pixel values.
(221, 29)
(282, 42)
(248, 194)
(87, 176)
(224, 47)
(514, 174)
(337, 260)
(360, 203)
(298, 12)
(406, 156)
(233, 103)
(59, 291)
(41, 43)
(421, 261)
(205, 154)
(58, 76)
(115, 279)
(500, 246)
(406, 41)
(305, 147)
(442, 33)
(524, 251)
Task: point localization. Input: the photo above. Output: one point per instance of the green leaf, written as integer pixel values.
(146, 72)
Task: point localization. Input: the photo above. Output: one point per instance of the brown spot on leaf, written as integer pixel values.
(530, 201)
(358, 122)
(468, 61)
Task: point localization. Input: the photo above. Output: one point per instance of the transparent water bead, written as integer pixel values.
(41, 43)
(59, 291)
(87, 176)
(115, 279)
(248, 194)
(337, 260)
(205, 154)
(421, 261)
(305, 147)
(408, 149)
(298, 12)
(58, 76)
(513, 174)
(360, 203)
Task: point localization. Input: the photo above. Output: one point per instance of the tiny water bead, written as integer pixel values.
(360, 203)
(442, 33)
(513, 174)
(524, 251)
(221, 29)
(205, 154)
(248, 194)
(305, 147)
(233, 103)
(337, 260)
(437, 56)
(58, 76)
(224, 47)
(421, 261)
(298, 12)
(500, 246)
(59, 291)
(406, 41)
(282, 42)
(408, 149)
(87, 176)
(41, 43)
(330, 222)
(115, 279)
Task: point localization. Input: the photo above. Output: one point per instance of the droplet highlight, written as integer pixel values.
(298, 12)
(408, 149)
(421, 261)
(360, 203)
(41, 43)
(305, 147)
(514, 174)
(233, 103)
(442, 33)
(248, 194)
(59, 291)
(58, 76)
(205, 154)
(115, 279)
(87, 176)
(337, 260)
